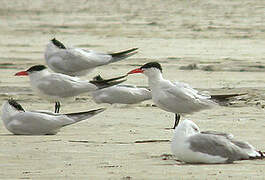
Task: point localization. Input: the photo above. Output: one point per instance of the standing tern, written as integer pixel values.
(121, 94)
(19, 121)
(55, 86)
(177, 97)
(192, 146)
(79, 62)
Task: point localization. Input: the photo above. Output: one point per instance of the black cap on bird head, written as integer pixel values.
(36, 68)
(15, 104)
(58, 43)
(152, 65)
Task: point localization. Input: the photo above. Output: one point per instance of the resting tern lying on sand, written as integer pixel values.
(19, 121)
(79, 62)
(121, 94)
(192, 146)
(55, 86)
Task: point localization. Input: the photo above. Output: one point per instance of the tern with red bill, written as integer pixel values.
(177, 97)
(77, 61)
(21, 122)
(56, 87)
(192, 146)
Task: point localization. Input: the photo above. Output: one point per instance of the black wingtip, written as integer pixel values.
(15, 104)
(79, 116)
(94, 111)
(104, 83)
(58, 43)
(124, 53)
(225, 97)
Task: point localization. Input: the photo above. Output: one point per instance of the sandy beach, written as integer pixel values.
(215, 46)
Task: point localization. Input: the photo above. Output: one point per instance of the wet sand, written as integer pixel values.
(225, 41)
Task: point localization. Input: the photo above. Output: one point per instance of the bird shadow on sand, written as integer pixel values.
(175, 162)
(7, 135)
(14, 135)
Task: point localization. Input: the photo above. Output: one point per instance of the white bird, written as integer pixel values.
(55, 86)
(191, 146)
(121, 94)
(177, 97)
(19, 121)
(79, 62)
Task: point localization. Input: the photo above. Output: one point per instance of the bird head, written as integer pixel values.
(31, 70)
(149, 69)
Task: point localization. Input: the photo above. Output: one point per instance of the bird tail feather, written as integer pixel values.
(122, 55)
(261, 156)
(79, 116)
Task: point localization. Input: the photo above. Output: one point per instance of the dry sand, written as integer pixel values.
(225, 39)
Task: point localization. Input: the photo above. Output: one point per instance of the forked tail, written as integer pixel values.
(225, 97)
(262, 156)
(79, 116)
(122, 55)
(104, 83)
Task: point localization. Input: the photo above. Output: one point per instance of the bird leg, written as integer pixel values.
(57, 107)
(177, 118)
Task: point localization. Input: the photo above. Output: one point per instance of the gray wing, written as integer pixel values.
(185, 92)
(37, 123)
(240, 144)
(191, 100)
(74, 60)
(46, 112)
(216, 146)
(63, 86)
(243, 145)
(175, 99)
(127, 85)
(133, 86)
(192, 91)
(121, 94)
(76, 117)
(226, 135)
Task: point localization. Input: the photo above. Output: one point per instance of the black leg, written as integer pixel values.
(57, 107)
(177, 118)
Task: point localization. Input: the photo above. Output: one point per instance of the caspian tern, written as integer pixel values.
(177, 97)
(19, 121)
(55, 86)
(79, 62)
(121, 94)
(191, 146)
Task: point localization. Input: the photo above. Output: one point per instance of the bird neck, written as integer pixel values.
(7, 112)
(183, 132)
(154, 79)
(36, 76)
(50, 50)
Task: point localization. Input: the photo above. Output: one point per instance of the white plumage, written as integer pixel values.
(19, 121)
(56, 87)
(178, 98)
(121, 94)
(192, 146)
(79, 62)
